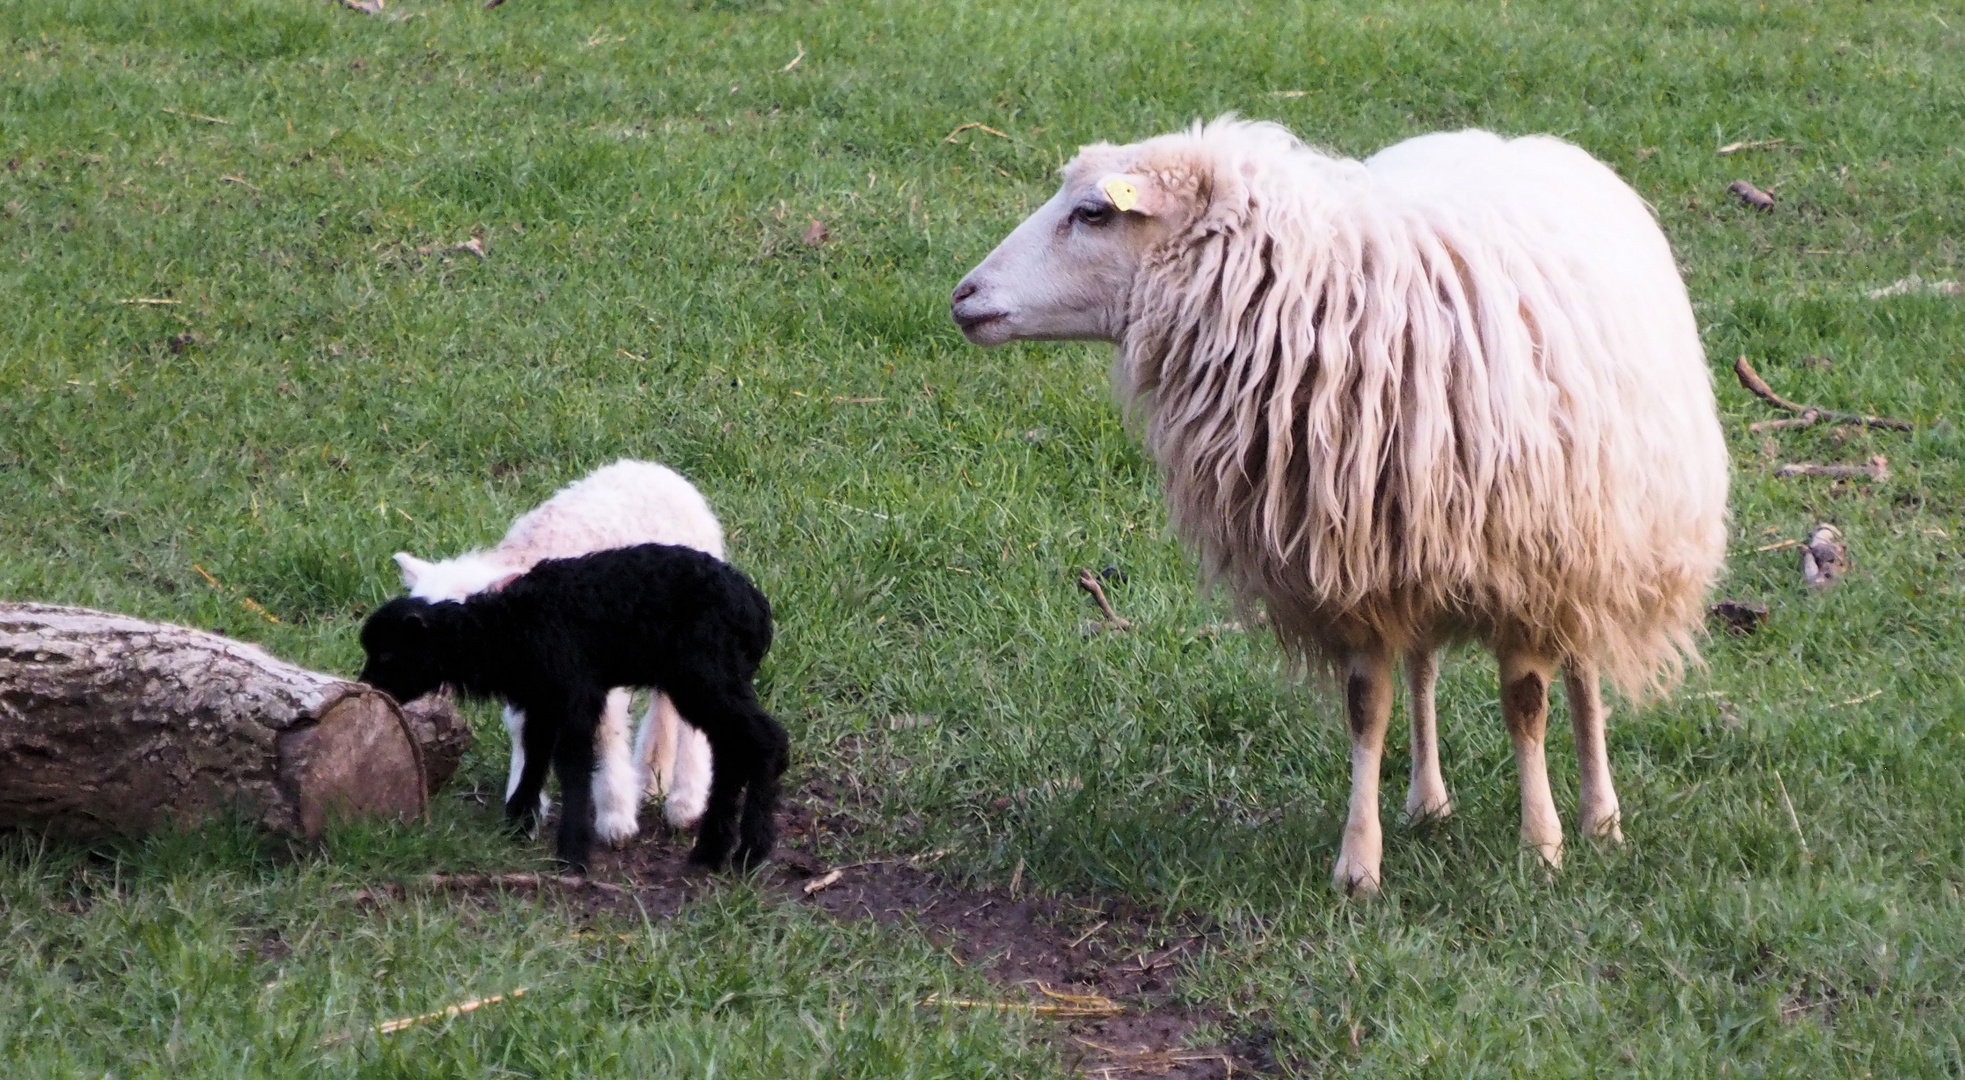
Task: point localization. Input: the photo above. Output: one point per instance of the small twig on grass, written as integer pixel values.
(1793, 820)
(1761, 144)
(1088, 581)
(1876, 468)
(795, 59)
(1145, 965)
(149, 301)
(239, 180)
(818, 884)
(1807, 414)
(974, 124)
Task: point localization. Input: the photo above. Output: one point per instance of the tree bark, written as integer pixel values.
(109, 724)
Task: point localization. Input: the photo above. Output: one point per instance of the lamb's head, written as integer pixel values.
(400, 640)
(1067, 272)
(452, 579)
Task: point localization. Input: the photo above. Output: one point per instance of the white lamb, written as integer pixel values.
(623, 504)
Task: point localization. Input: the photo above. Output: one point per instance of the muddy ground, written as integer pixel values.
(1099, 967)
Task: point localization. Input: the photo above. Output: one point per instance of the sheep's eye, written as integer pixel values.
(1093, 214)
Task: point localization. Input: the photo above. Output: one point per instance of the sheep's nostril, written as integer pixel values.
(964, 291)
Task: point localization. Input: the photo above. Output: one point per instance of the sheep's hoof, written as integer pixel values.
(1428, 812)
(1355, 880)
(1551, 852)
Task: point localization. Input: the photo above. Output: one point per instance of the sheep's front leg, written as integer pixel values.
(515, 726)
(1525, 707)
(1596, 808)
(1368, 709)
(525, 804)
(617, 780)
(1427, 797)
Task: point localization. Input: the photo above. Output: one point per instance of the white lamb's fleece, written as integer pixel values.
(620, 505)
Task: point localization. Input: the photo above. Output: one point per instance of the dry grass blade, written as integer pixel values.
(1762, 144)
(149, 301)
(1066, 1006)
(974, 124)
(390, 1027)
(197, 116)
(795, 59)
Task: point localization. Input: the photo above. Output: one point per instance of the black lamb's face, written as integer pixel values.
(398, 640)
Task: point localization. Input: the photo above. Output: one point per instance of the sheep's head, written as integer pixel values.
(400, 642)
(1067, 272)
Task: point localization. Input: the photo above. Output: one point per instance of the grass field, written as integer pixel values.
(331, 380)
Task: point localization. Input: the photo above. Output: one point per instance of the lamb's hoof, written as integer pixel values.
(682, 814)
(706, 860)
(1354, 879)
(616, 829)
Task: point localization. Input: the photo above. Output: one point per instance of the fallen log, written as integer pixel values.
(110, 724)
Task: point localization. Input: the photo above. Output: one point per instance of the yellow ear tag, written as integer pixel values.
(1123, 194)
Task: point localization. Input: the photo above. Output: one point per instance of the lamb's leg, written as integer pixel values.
(1427, 796)
(525, 807)
(729, 718)
(1368, 708)
(573, 762)
(1525, 707)
(1596, 809)
(617, 782)
(655, 745)
(515, 725)
(678, 760)
(759, 831)
(689, 781)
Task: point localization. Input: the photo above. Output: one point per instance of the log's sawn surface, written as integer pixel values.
(110, 724)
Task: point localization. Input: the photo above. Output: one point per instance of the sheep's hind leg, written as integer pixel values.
(573, 762)
(1525, 708)
(515, 725)
(1596, 806)
(1427, 797)
(617, 781)
(1368, 709)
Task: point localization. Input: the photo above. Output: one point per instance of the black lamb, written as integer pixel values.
(554, 640)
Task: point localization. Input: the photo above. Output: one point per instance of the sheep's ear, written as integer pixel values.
(499, 585)
(1130, 193)
(411, 567)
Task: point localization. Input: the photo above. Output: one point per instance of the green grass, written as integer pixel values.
(321, 395)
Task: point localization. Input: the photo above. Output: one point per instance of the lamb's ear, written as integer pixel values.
(411, 567)
(499, 585)
(1133, 193)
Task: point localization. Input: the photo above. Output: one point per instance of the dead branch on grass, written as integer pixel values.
(1066, 1006)
(1759, 144)
(1806, 415)
(1876, 468)
(570, 882)
(1751, 195)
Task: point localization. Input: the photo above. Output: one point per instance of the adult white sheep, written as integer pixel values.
(1452, 392)
(621, 505)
